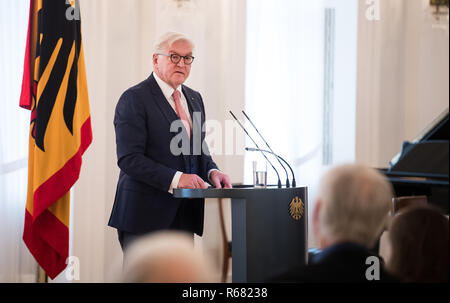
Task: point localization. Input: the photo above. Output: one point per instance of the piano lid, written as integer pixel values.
(421, 168)
(436, 130)
(427, 155)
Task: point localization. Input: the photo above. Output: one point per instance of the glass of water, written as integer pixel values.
(260, 174)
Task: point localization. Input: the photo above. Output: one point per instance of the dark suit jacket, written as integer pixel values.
(344, 262)
(147, 166)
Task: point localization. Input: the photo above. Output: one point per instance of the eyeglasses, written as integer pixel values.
(175, 58)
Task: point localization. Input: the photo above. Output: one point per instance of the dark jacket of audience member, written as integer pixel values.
(351, 208)
(344, 263)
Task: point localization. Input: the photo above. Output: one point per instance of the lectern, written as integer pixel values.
(269, 228)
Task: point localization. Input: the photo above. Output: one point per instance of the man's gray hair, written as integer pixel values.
(166, 40)
(165, 256)
(355, 203)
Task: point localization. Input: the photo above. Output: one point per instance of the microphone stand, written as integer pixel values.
(267, 144)
(279, 180)
(251, 149)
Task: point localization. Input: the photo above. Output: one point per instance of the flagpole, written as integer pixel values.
(41, 275)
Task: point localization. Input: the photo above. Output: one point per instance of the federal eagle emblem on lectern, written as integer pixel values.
(296, 208)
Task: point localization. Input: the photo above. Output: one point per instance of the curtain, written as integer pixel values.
(16, 263)
(289, 79)
(284, 77)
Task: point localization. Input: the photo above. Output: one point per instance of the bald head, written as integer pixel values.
(352, 204)
(165, 257)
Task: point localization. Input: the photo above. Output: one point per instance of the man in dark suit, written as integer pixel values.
(160, 147)
(350, 212)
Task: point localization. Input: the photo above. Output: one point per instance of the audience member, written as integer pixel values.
(350, 211)
(419, 240)
(165, 257)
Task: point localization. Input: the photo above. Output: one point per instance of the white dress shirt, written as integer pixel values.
(167, 91)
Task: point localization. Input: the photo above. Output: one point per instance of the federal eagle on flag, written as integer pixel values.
(54, 88)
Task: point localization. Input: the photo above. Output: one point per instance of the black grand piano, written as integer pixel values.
(421, 167)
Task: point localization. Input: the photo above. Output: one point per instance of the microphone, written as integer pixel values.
(279, 180)
(272, 152)
(268, 151)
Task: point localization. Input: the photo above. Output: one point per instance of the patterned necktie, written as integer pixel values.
(180, 112)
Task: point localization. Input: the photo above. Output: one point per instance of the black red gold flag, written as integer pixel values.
(54, 88)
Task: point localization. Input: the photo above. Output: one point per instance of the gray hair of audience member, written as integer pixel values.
(165, 257)
(167, 39)
(352, 205)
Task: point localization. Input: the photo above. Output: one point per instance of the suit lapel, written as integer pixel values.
(193, 105)
(197, 116)
(167, 110)
(164, 106)
(161, 101)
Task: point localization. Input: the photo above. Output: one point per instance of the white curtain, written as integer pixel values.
(16, 263)
(284, 80)
(285, 75)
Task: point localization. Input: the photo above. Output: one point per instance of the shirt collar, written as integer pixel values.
(166, 89)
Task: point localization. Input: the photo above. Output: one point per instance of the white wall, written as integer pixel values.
(402, 77)
(118, 38)
(426, 67)
(401, 86)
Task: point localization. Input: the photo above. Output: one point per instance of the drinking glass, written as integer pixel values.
(260, 174)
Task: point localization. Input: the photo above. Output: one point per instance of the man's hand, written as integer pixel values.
(191, 181)
(218, 178)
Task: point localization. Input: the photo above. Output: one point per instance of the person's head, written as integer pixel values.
(165, 257)
(419, 240)
(172, 58)
(351, 206)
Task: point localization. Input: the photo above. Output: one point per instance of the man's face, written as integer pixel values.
(171, 73)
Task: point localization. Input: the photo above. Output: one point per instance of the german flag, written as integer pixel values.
(54, 89)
